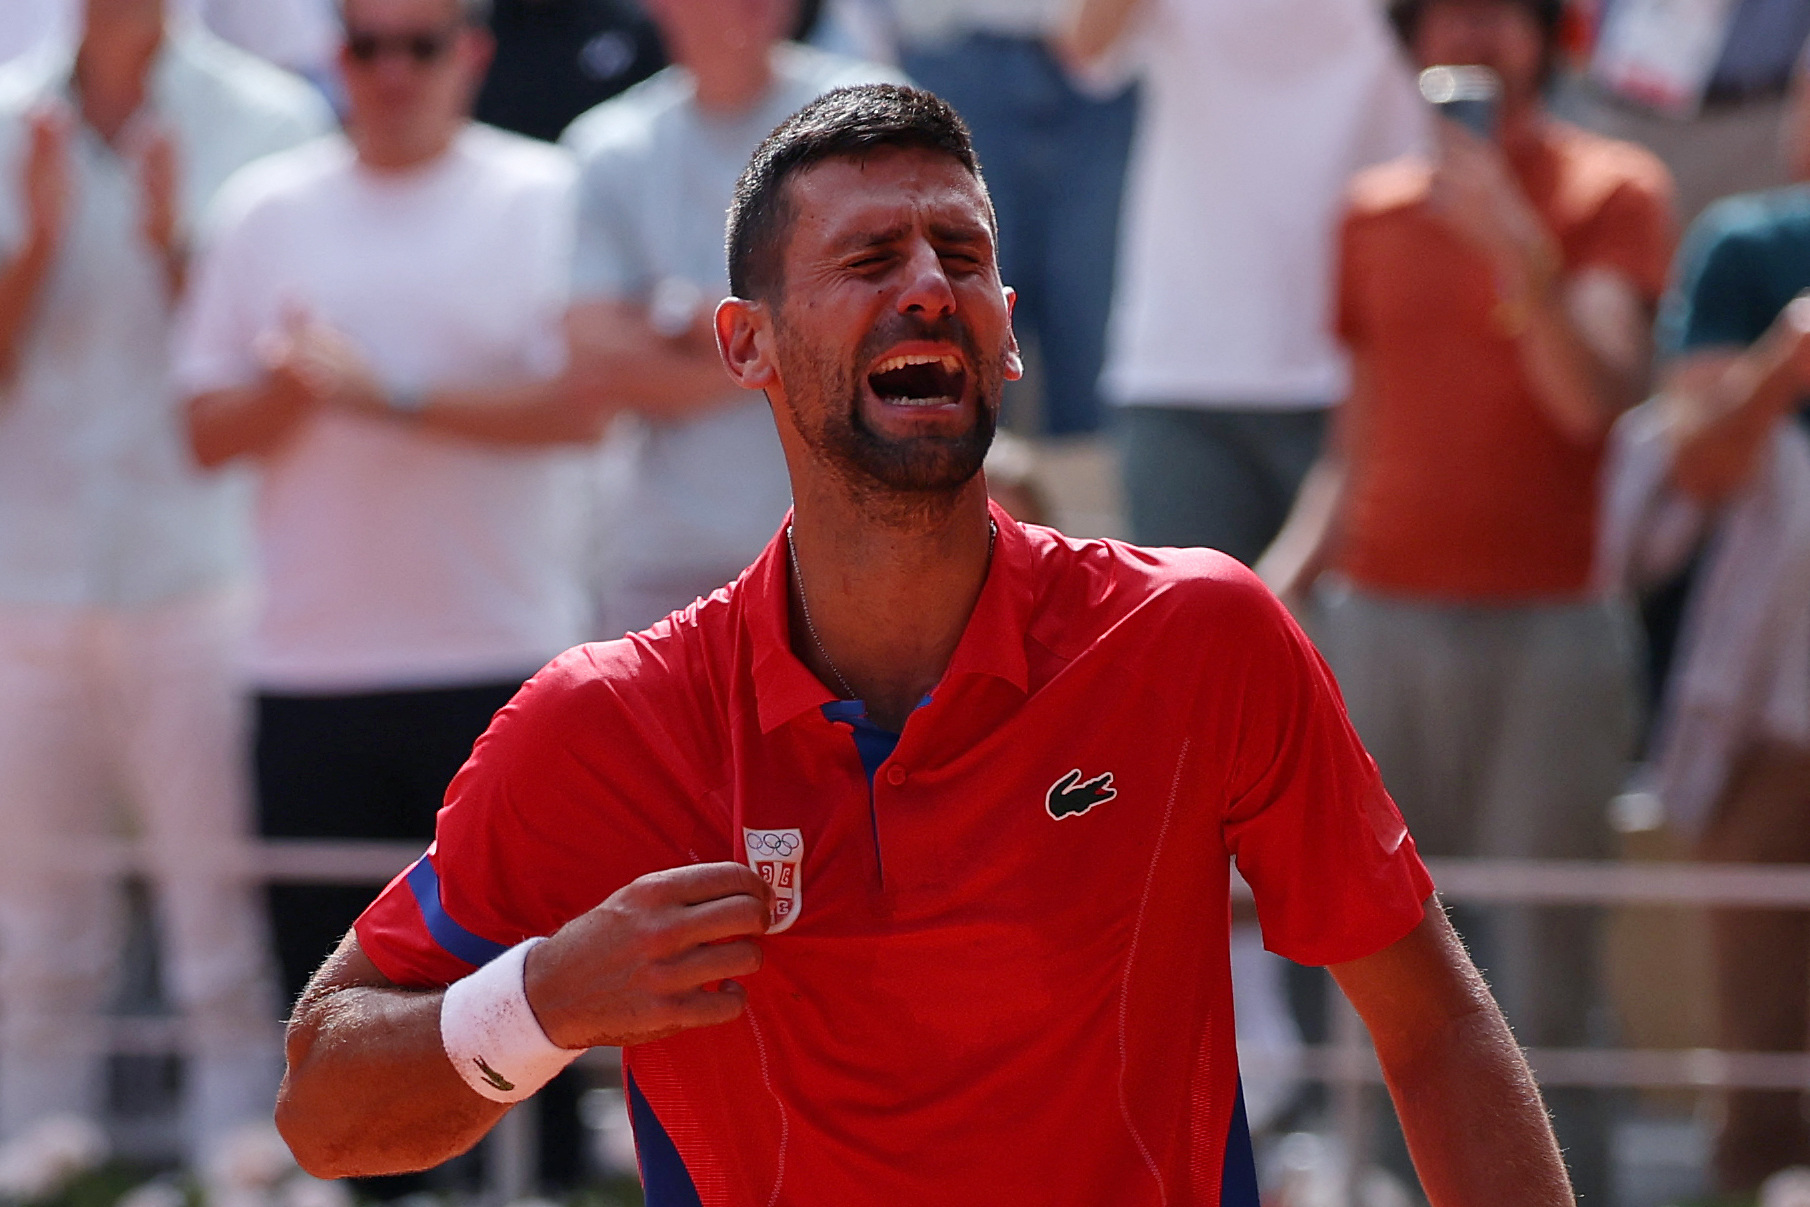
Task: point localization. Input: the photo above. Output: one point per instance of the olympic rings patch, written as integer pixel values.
(773, 842)
(777, 857)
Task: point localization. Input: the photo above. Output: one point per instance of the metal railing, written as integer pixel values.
(1347, 1064)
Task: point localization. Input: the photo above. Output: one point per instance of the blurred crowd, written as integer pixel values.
(357, 358)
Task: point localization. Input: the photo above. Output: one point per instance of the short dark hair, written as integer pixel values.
(1406, 14)
(847, 123)
(471, 12)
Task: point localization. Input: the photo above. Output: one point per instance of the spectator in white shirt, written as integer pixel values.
(1220, 352)
(375, 325)
(27, 24)
(121, 566)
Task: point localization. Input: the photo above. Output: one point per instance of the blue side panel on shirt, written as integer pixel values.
(424, 883)
(665, 1182)
(1238, 1180)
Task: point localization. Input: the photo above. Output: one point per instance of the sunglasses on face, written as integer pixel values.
(421, 47)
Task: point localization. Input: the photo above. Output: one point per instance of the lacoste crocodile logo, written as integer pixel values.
(493, 1077)
(1070, 796)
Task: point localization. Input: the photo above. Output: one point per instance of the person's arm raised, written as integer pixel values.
(617, 352)
(46, 186)
(1584, 337)
(1093, 27)
(369, 1088)
(1468, 1104)
(1722, 404)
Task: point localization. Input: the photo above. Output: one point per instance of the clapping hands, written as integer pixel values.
(315, 365)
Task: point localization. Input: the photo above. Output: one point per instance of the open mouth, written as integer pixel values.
(919, 380)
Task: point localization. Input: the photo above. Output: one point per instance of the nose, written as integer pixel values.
(927, 291)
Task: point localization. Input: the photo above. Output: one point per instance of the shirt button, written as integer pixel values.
(895, 775)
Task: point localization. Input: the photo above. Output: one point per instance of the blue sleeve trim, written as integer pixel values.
(424, 883)
(665, 1182)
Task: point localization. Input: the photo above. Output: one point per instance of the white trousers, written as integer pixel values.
(129, 724)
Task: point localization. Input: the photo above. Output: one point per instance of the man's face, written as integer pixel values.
(698, 32)
(1499, 34)
(893, 333)
(411, 67)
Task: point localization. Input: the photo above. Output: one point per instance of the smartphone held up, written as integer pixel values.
(1470, 96)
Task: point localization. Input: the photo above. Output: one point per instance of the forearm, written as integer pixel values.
(174, 258)
(1581, 386)
(1722, 415)
(665, 384)
(1305, 546)
(21, 282)
(620, 359)
(245, 421)
(369, 1089)
(1093, 26)
(1473, 1118)
(1467, 1102)
(536, 413)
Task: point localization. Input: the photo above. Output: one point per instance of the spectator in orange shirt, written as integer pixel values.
(1497, 303)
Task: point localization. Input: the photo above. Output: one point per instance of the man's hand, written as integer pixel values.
(1723, 404)
(1475, 192)
(323, 364)
(654, 959)
(619, 356)
(1583, 338)
(369, 1089)
(159, 205)
(1791, 333)
(48, 186)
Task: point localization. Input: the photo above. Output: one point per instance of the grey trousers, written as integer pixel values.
(1222, 478)
(1503, 731)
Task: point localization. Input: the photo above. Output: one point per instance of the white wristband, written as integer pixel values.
(491, 1035)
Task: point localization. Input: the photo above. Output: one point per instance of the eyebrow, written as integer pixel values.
(941, 231)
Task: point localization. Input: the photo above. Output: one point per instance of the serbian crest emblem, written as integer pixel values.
(777, 856)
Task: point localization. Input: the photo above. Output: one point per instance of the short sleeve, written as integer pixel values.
(1633, 233)
(1312, 829)
(544, 821)
(214, 346)
(1718, 299)
(607, 259)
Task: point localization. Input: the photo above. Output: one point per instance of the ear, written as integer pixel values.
(1014, 359)
(478, 45)
(744, 339)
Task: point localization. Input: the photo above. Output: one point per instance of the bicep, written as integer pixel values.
(347, 968)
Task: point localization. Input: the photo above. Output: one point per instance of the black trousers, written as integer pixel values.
(374, 765)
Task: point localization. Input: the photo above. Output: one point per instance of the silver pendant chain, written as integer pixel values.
(804, 604)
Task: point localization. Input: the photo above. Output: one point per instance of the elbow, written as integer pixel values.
(315, 1158)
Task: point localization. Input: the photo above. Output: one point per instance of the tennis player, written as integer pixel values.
(899, 867)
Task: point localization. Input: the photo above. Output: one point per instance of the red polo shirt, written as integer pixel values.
(1004, 981)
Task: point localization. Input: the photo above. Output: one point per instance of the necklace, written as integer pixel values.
(804, 605)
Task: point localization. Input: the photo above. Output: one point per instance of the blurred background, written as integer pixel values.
(355, 359)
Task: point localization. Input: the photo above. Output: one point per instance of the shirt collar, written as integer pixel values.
(991, 644)
(55, 64)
